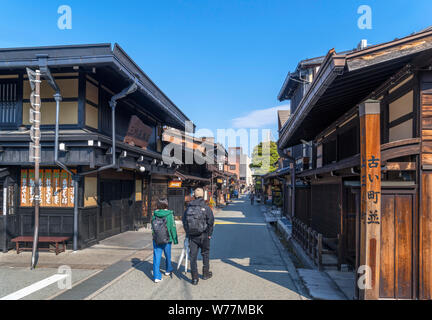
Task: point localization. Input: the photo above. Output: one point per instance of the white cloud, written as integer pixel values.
(259, 118)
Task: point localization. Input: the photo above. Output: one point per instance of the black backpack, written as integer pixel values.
(196, 220)
(160, 231)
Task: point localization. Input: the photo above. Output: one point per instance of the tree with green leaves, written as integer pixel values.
(264, 158)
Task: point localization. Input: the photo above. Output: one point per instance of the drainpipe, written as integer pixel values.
(113, 103)
(5, 214)
(76, 177)
(283, 154)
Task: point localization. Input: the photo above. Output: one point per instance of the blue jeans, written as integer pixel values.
(157, 255)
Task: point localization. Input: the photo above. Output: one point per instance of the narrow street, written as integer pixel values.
(245, 257)
(245, 261)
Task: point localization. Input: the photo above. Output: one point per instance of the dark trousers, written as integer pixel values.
(199, 242)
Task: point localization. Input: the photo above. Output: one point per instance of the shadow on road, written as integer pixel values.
(146, 267)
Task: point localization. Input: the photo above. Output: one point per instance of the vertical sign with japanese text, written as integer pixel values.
(370, 219)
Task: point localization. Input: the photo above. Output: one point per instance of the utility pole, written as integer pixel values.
(35, 150)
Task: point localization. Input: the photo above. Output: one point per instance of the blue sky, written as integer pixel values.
(222, 62)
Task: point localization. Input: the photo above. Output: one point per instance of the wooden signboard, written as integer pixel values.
(25, 201)
(138, 133)
(56, 188)
(370, 219)
(64, 184)
(48, 189)
(175, 184)
(31, 184)
(42, 187)
(71, 190)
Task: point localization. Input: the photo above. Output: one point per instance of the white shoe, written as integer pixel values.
(168, 273)
(158, 280)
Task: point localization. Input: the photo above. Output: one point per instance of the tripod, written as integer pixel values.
(184, 255)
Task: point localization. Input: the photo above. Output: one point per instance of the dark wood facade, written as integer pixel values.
(399, 79)
(109, 201)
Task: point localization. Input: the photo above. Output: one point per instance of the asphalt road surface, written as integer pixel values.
(245, 260)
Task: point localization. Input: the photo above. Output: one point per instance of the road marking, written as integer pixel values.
(274, 271)
(240, 223)
(74, 285)
(34, 287)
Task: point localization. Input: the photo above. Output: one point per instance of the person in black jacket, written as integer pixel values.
(201, 241)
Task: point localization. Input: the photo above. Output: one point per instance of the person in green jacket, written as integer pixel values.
(163, 215)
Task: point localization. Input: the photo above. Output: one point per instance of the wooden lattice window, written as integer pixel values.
(8, 102)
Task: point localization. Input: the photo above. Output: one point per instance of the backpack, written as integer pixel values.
(196, 220)
(160, 231)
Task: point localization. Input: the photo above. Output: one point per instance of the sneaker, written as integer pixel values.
(168, 273)
(157, 280)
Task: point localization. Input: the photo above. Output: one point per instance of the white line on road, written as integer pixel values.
(34, 287)
(240, 223)
(274, 271)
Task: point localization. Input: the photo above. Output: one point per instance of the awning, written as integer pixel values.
(190, 177)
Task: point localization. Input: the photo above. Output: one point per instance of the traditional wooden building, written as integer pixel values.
(102, 120)
(366, 115)
(192, 171)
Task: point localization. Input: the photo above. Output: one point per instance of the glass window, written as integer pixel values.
(401, 131)
(401, 107)
(401, 118)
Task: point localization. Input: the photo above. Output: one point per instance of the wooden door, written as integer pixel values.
(397, 272)
(351, 209)
(176, 200)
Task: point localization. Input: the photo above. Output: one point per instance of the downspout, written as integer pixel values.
(113, 103)
(283, 154)
(5, 214)
(77, 176)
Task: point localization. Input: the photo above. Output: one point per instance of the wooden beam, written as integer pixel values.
(370, 219)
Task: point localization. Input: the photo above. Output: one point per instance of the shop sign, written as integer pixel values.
(138, 133)
(175, 184)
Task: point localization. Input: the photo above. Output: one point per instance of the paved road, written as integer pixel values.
(245, 261)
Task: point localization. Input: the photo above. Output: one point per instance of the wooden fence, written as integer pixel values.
(315, 245)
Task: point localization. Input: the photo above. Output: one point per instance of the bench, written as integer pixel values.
(53, 240)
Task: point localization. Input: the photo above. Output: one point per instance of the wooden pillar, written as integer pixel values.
(425, 212)
(370, 219)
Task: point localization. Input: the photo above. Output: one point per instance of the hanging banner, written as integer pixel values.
(56, 188)
(42, 187)
(71, 190)
(24, 189)
(48, 191)
(31, 187)
(64, 184)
